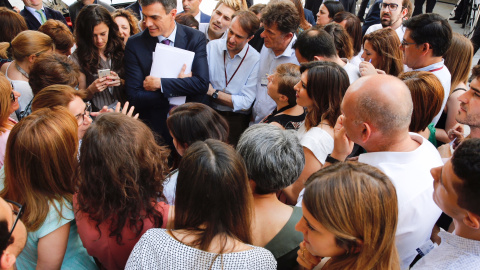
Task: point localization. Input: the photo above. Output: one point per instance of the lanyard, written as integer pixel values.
(437, 69)
(225, 66)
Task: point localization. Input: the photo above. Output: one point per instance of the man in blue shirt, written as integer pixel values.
(233, 69)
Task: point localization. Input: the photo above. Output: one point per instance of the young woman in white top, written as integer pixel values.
(320, 90)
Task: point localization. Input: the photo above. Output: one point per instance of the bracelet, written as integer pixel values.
(331, 159)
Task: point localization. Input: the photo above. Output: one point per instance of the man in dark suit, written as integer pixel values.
(192, 7)
(135, 9)
(35, 14)
(149, 94)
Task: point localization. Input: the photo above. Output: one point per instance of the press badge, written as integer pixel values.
(264, 81)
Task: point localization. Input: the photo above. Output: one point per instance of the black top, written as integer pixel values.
(287, 121)
(443, 118)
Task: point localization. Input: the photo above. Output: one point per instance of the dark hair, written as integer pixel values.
(121, 174)
(476, 72)
(12, 23)
(5, 238)
(466, 166)
(274, 157)
(427, 96)
(315, 42)
(288, 75)
(168, 5)
(52, 68)
(60, 34)
(341, 39)
(333, 7)
(191, 122)
(353, 28)
(326, 85)
(430, 28)
(88, 57)
(187, 19)
(282, 14)
(248, 21)
(257, 8)
(213, 195)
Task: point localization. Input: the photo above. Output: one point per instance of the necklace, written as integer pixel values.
(20, 69)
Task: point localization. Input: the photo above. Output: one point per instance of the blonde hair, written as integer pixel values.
(458, 59)
(5, 101)
(362, 214)
(26, 43)
(40, 160)
(236, 5)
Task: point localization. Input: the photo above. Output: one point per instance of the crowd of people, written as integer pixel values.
(304, 142)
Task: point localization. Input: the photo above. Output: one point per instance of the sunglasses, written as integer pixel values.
(18, 210)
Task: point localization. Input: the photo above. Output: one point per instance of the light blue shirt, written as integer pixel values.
(242, 87)
(264, 104)
(171, 37)
(35, 14)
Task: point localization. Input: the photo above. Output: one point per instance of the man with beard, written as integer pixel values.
(233, 70)
(392, 14)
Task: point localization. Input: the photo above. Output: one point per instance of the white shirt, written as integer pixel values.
(264, 104)
(242, 86)
(410, 173)
(454, 253)
(203, 27)
(352, 70)
(443, 74)
(400, 30)
(35, 13)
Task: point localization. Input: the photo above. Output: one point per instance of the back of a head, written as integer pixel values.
(326, 85)
(257, 8)
(342, 40)
(386, 44)
(408, 5)
(60, 34)
(53, 68)
(191, 122)
(187, 19)
(353, 28)
(212, 194)
(56, 95)
(333, 7)
(384, 101)
(12, 24)
(5, 101)
(45, 135)
(273, 156)
(362, 213)
(427, 96)
(26, 43)
(288, 75)
(458, 59)
(466, 166)
(315, 42)
(283, 14)
(430, 28)
(121, 171)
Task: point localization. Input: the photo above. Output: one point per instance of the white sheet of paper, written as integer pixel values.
(168, 62)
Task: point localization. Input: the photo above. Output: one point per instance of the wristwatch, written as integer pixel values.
(215, 94)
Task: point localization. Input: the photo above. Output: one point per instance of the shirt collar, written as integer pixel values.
(289, 51)
(432, 66)
(465, 244)
(171, 37)
(34, 10)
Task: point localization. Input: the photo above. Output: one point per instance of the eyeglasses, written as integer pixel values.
(405, 43)
(18, 210)
(12, 95)
(81, 117)
(392, 6)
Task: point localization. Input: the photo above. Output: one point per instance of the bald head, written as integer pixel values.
(383, 101)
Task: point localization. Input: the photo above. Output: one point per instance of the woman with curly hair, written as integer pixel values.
(127, 23)
(120, 183)
(99, 46)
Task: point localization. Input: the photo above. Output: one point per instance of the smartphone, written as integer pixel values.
(103, 73)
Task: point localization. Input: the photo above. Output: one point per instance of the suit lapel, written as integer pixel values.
(180, 38)
(33, 21)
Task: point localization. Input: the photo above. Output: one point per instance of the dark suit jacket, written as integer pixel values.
(5, 3)
(153, 106)
(373, 16)
(204, 18)
(34, 24)
(309, 17)
(135, 8)
(314, 6)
